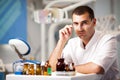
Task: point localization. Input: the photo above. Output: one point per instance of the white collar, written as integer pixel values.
(94, 38)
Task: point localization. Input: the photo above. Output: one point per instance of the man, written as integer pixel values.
(91, 51)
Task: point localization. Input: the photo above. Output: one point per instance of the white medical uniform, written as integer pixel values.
(101, 50)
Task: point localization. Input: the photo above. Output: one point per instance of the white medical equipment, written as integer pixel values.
(20, 46)
(67, 5)
(2, 67)
(2, 70)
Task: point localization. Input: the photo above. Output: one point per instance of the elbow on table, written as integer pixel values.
(99, 70)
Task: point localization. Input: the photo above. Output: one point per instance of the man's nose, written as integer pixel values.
(80, 27)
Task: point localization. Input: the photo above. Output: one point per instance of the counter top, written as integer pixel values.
(78, 76)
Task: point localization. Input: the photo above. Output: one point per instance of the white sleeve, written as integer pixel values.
(107, 52)
(66, 54)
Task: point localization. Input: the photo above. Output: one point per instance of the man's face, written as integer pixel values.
(83, 26)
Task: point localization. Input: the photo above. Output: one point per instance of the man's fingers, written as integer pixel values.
(67, 30)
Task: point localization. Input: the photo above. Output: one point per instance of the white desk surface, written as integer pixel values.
(53, 77)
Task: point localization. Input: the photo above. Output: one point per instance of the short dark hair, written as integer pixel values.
(83, 9)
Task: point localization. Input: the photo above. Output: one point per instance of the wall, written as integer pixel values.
(102, 7)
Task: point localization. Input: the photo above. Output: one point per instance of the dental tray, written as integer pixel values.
(64, 73)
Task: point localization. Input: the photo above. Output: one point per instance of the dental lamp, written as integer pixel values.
(74, 4)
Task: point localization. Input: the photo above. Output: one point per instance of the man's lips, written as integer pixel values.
(81, 32)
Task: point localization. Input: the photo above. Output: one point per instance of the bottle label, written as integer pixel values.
(49, 71)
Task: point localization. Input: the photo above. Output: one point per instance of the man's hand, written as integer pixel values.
(65, 33)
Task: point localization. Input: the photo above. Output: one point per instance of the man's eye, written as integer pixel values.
(75, 24)
(84, 22)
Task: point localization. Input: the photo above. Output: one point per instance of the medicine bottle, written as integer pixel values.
(67, 68)
(60, 66)
(25, 68)
(38, 69)
(49, 69)
(31, 69)
(73, 67)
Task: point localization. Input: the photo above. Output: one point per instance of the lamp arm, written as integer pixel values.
(20, 55)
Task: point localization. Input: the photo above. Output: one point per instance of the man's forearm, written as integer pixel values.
(89, 68)
(56, 54)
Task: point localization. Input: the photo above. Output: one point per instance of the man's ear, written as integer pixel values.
(94, 21)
